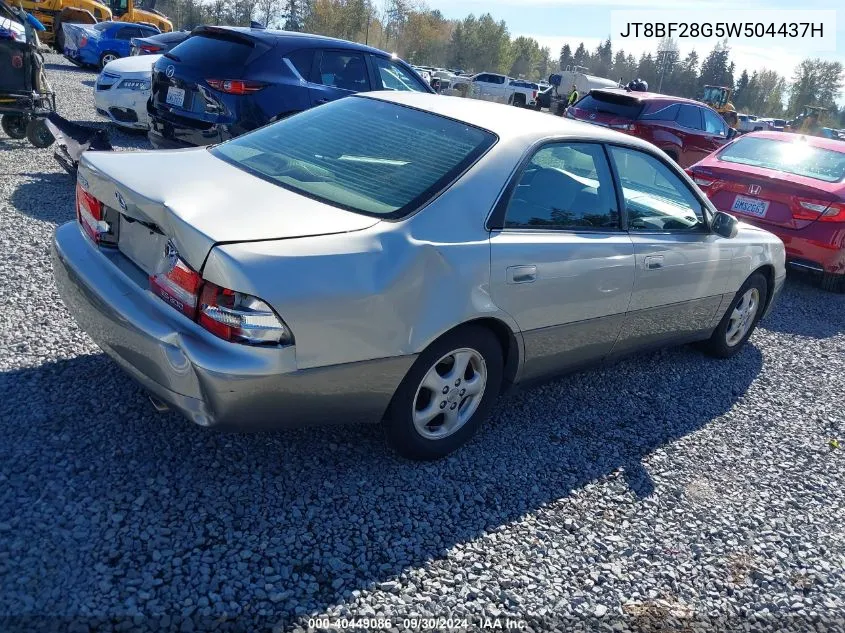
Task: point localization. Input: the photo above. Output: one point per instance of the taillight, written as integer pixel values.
(624, 127)
(701, 181)
(534, 95)
(150, 48)
(817, 210)
(235, 86)
(179, 287)
(83, 41)
(239, 317)
(90, 213)
(233, 316)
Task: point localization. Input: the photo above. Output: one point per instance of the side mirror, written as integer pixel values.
(724, 225)
(732, 132)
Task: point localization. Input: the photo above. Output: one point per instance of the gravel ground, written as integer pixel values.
(669, 492)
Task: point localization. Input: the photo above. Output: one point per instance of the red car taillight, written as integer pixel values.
(90, 213)
(235, 86)
(817, 210)
(150, 48)
(624, 127)
(233, 316)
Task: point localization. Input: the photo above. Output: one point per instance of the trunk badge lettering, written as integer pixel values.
(120, 200)
(754, 189)
(169, 71)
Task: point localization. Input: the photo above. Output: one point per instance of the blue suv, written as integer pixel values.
(224, 81)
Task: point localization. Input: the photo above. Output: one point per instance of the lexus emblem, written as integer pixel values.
(120, 200)
(170, 70)
(754, 189)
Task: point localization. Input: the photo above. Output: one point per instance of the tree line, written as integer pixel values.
(480, 43)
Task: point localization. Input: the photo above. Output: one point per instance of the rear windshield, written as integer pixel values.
(790, 157)
(206, 50)
(361, 154)
(617, 105)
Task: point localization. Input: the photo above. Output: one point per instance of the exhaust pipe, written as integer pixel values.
(160, 405)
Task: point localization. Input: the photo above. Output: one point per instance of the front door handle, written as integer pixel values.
(653, 262)
(521, 274)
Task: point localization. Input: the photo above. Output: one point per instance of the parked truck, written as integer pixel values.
(53, 13)
(577, 76)
(496, 87)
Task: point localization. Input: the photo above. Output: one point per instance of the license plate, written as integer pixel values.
(175, 96)
(751, 206)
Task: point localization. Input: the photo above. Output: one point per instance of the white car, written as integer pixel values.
(122, 90)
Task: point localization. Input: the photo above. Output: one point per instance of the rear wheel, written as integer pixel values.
(14, 125)
(740, 319)
(107, 57)
(39, 134)
(446, 395)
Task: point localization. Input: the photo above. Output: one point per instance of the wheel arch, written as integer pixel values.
(768, 272)
(509, 339)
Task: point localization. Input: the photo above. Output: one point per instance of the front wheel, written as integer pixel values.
(14, 125)
(740, 319)
(446, 395)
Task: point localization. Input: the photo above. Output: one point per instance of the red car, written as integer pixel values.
(686, 130)
(791, 185)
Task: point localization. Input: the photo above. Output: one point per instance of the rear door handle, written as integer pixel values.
(521, 274)
(653, 262)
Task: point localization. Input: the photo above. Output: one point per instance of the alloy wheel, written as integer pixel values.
(742, 317)
(449, 394)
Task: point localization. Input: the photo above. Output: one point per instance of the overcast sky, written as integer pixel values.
(554, 23)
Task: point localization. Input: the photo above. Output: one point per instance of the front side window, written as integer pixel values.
(395, 77)
(565, 186)
(127, 33)
(345, 70)
(713, 123)
(656, 199)
(360, 154)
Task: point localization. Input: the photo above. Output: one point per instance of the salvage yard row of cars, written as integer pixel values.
(402, 257)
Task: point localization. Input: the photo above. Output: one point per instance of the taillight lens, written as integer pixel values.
(90, 213)
(179, 287)
(235, 86)
(233, 316)
(817, 210)
(625, 127)
(83, 41)
(150, 48)
(702, 181)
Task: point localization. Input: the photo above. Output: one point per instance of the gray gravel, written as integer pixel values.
(671, 490)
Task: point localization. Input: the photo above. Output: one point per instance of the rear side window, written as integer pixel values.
(361, 154)
(205, 50)
(661, 112)
(690, 117)
(345, 70)
(127, 33)
(617, 105)
(565, 186)
(790, 157)
(302, 60)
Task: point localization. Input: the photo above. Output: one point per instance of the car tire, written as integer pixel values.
(831, 282)
(418, 422)
(740, 318)
(14, 125)
(39, 134)
(108, 56)
(673, 156)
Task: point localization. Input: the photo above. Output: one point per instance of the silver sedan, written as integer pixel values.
(399, 258)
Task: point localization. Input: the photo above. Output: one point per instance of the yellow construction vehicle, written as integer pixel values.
(719, 98)
(809, 121)
(52, 13)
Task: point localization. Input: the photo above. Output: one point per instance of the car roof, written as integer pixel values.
(508, 123)
(814, 141)
(292, 38)
(649, 96)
